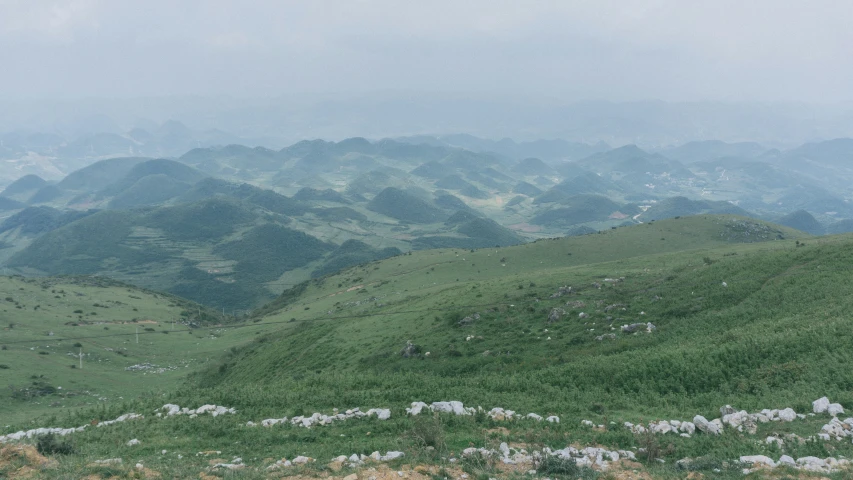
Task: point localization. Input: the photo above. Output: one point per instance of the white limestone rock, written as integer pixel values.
(705, 426)
(787, 415)
(820, 405)
(758, 460)
(835, 409)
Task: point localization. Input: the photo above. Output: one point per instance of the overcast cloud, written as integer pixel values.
(601, 49)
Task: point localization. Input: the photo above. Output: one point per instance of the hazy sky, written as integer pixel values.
(570, 49)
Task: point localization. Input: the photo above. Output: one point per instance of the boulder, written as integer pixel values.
(735, 419)
(757, 460)
(661, 427)
(637, 327)
(835, 409)
(454, 407)
(381, 413)
(391, 456)
(811, 462)
(705, 426)
(416, 408)
(820, 405)
(787, 415)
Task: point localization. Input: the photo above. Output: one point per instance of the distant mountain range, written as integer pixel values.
(235, 225)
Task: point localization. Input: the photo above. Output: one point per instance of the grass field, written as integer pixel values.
(48, 322)
(745, 313)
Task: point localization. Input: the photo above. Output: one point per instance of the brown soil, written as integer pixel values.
(21, 461)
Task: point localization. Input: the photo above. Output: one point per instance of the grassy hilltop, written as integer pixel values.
(745, 313)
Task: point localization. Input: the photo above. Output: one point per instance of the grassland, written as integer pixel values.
(746, 313)
(48, 322)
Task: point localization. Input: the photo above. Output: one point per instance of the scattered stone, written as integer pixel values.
(133, 442)
(555, 315)
(636, 327)
(758, 459)
(410, 350)
(213, 410)
(561, 291)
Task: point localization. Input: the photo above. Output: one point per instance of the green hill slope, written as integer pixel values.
(175, 171)
(149, 190)
(39, 220)
(580, 209)
(168, 248)
(681, 206)
(45, 194)
(803, 221)
(465, 229)
(48, 321)
(405, 207)
(451, 279)
(756, 325)
(99, 175)
(27, 183)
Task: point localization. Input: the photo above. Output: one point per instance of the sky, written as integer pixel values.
(621, 50)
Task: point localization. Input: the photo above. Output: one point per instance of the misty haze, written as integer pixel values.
(372, 240)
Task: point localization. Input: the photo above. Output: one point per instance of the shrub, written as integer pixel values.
(50, 445)
(650, 448)
(428, 431)
(553, 465)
